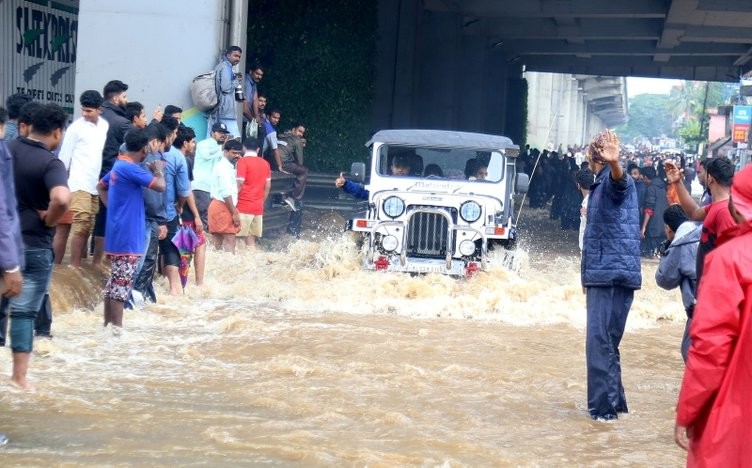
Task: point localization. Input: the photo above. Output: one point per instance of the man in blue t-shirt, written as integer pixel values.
(121, 191)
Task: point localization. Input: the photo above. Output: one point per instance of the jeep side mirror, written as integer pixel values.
(358, 172)
(523, 182)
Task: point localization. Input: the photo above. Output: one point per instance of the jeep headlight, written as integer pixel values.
(394, 206)
(467, 248)
(470, 211)
(389, 243)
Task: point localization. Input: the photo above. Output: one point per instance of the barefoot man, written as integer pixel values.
(121, 192)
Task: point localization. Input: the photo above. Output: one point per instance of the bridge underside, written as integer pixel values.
(458, 64)
(709, 40)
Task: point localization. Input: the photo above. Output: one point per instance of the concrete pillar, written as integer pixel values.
(557, 111)
(573, 114)
(579, 136)
(540, 116)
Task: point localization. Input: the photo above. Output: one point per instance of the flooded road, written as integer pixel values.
(294, 356)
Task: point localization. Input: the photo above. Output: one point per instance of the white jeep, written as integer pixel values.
(444, 214)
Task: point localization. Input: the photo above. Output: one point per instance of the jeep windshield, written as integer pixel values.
(440, 163)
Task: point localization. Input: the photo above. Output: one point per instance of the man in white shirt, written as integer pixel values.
(208, 153)
(81, 153)
(224, 219)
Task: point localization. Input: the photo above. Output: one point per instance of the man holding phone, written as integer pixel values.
(208, 153)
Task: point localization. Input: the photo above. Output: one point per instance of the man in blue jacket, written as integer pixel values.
(400, 167)
(610, 274)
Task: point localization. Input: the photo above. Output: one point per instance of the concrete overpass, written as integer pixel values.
(455, 63)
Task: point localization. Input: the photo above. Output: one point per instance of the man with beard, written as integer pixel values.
(208, 154)
(717, 177)
(113, 111)
(224, 218)
(225, 81)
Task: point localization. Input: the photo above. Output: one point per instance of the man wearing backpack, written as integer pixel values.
(225, 81)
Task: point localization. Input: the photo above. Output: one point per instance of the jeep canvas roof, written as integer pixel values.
(443, 139)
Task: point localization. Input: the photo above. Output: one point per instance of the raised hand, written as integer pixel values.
(340, 181)
(609, 146)
(673, 173)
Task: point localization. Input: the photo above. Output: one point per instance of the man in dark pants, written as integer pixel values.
(43, 197)
(155, 219)
(113, 111)
(11, 244)
(610, 274)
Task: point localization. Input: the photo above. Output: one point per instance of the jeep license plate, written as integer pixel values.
(427, 269)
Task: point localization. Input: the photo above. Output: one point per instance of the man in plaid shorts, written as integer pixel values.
(121, 192)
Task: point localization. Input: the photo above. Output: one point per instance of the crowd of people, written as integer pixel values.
(282, 150)
(115, 187)
(555, 183)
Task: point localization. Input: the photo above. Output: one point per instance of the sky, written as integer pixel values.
(637, 86)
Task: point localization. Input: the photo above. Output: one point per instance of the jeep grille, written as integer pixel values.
(427, 235)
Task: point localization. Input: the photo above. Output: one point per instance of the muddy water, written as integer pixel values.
(294, 356)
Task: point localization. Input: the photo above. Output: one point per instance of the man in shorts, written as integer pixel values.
(224, 219)
(185, 142)
(208, 154)
(121, 191)
(81, 153)
(255, 180)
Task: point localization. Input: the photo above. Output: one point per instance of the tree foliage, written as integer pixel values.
(318, 59)
(681, 114)
(649, 117)
(690, 102)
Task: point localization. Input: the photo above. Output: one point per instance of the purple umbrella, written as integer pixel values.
(186, 241)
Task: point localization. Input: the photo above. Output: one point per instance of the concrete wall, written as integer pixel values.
(559, 111)
(432, 75)
(155, 47)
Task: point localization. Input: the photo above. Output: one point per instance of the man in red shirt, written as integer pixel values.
(719, 172)
(254, 183)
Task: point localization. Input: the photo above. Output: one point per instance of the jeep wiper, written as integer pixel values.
(457, 189)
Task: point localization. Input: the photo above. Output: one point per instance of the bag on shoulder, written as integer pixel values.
(204, 91)
(252, 129)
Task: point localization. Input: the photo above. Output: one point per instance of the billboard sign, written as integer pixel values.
(741, 123)
(38, 52)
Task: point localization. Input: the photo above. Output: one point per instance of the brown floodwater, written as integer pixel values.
(294, 356)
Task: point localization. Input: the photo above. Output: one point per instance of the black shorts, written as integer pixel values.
(203, 199)
(170, 254)
(100, 220)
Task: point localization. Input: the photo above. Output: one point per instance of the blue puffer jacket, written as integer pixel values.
(611, 248)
